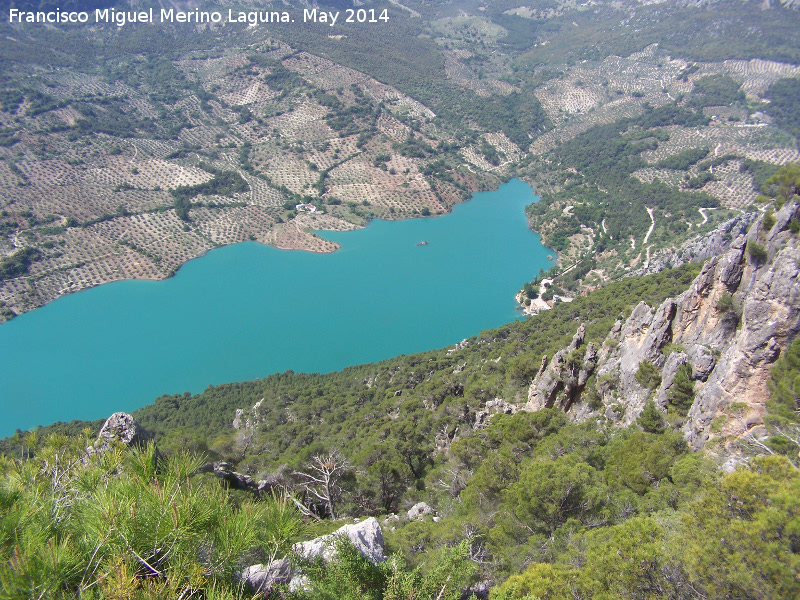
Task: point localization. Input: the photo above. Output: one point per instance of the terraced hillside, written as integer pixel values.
(108, 181)
(629, 173)
(117, 161)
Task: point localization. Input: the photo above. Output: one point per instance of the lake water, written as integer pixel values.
(245, 311)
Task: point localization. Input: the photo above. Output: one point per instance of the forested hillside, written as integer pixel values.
(567, 510)
(638, 441)
(508, 500)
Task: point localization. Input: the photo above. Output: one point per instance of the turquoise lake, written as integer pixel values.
(245, 311)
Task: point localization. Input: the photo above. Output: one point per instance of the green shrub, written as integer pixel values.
(769, 220)
(725, 303)
(756, 251)
(651, 420)
(17, 264)
(648, 376)
(681, 392)
(352, 577)
(127, 524)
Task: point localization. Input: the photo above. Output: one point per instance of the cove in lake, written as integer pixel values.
(245, 311)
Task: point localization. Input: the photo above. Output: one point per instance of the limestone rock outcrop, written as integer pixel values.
(419, 511)
(366, 536)
(119, 428)
(491, 408)
(770, 320)
(249, 420)
(700, 248)
(558, 383)
(262, 579)
(122, 427)
(240, 481)
(739, 313)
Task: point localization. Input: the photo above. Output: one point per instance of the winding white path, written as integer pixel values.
(652, 226)
(716, 153)
(663, 87)
(567, 270)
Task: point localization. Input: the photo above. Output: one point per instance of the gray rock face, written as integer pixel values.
(491, 408)
(659, 333)
(730, 265)
(546, 384)
(589, 363)
(263, 578)
(119, 428)
(731, 364)
(366, 537)
(700, 248)
(420, 510)
(122, 427)
(702, 359)
(770, 320)
(730, 326)
(241, 481)
(248, 420)
(578, 338)
(640, 338)
(782, 220)
(558, 383)
(238, 481)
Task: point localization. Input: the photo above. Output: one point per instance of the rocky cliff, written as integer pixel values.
(702, 357)
(699, 248)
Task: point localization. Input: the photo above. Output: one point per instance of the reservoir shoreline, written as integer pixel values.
(248, 310)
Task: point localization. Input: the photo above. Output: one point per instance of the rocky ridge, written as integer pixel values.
(740, 312)
(699, 248)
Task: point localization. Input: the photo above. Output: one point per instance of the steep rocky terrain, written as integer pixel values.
(699, 248)
(740, 312)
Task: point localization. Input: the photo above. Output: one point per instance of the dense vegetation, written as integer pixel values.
(683, 160)
(126, 525)
(706, 32)
(716, 90)
(566, 510)
(784, 406)
(223, 183)
(18, 263)
(584, 512)
(720, 538)
(396, 54)
(133, 524)
(784, 105)
(595, 170)
(554, 509)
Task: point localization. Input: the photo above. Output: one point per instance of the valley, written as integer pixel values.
(630, 431)
(128, 170)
